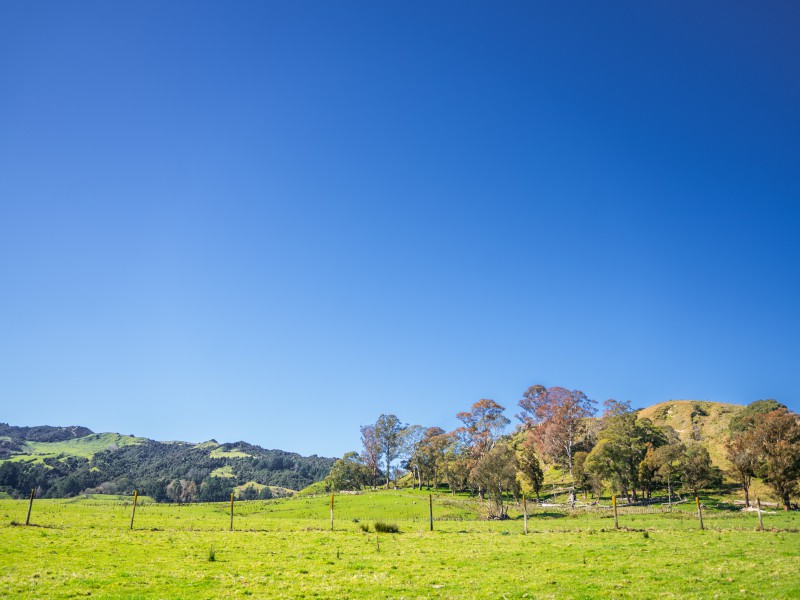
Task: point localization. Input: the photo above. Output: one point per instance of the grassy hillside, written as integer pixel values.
(83, 447)
(61, 463)
(700, 420)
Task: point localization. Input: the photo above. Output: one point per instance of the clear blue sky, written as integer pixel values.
(274, 221)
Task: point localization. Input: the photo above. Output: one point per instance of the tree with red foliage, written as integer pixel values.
(555, 415)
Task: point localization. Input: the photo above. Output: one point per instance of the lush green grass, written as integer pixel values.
(285, 549)
(84, 447)
(220, 453)
(223, 471)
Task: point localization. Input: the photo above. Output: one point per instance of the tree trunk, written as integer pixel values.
(746, 496)
(669, 489)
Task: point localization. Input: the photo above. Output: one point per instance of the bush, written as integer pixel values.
(364, 527)
(382, 527)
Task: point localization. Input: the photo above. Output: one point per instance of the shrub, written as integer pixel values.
(382, 527)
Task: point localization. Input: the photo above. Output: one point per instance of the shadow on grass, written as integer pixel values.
(16, 524)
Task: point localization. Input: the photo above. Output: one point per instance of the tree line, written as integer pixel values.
(559, 429)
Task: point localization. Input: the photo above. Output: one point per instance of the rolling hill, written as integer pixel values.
(63, 461)
(700, 420)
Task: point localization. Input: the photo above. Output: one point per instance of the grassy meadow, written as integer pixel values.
(285, 549)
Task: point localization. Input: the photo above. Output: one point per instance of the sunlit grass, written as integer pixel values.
(285, 549)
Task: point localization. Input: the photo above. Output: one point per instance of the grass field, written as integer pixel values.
(285, 549)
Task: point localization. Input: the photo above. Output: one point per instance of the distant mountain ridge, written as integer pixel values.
(64, 461)
(12, 437)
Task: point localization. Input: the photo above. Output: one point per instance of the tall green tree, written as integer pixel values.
(621, 446)
(696, 469)
(667, 459)
(429, 455)
(530, 467)
(778, 435)
(744, 454)
(388, 431)
(496, 472)
(483, 425)
(348, 473)
(371, 453)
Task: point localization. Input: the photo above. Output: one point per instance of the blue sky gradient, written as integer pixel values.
(274, 221)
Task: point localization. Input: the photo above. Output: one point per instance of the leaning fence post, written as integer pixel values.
(699, 511)
(331, 511)
(133, 512)
(760, 518)
(614, 504)
(232, 511)
(30, 506)
(525, 512)
(430, 509)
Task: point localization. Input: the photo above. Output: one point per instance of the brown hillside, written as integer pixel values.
(697, 419)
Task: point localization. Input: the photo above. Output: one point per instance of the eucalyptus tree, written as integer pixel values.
(371, 452)
(778, 435)
(530, 467)
(484, 423)
(556, 415)
(496, 472)
(388, 431)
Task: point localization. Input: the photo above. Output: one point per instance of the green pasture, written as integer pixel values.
(285, 549)
(84, 447)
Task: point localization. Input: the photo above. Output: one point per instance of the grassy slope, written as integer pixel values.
(709, 419)
(84, 447)
(283, 549)
(220, 453)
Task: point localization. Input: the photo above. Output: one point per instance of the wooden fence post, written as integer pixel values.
(699, 511)
(133, 512)
(430, 509)
(30, 506)
(232, 495)
(614, 504)
(331, 511)
(525, 512)
(760, 518)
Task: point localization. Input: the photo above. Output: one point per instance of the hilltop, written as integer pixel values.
(700, 420)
